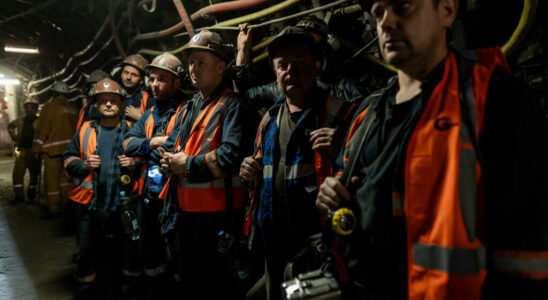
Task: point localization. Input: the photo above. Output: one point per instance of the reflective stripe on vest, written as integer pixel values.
(441, 176)
(149, 132)
(205, 137)
(527, 264)
(82, 190)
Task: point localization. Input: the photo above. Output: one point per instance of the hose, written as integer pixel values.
(184, 17)
(527, 17)
(243, 19)
(185, 22)
(226, 6)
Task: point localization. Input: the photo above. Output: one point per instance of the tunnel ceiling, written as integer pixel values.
(76, 37)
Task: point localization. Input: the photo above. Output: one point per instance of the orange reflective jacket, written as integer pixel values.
(204, 138)
(149, 132)
(82, 190)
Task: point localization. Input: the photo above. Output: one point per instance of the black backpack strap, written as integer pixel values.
(370, 116)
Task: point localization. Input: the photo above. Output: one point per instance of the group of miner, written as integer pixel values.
(444, 170)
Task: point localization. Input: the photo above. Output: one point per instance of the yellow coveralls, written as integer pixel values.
(24, 160)
(56, 126)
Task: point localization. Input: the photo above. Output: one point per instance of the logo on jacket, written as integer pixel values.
(443, 123)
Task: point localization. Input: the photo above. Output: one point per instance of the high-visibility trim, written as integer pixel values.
(64, 184)
(156, 271)
(17, 185)
(38, 141)
(268, 171)
(52, 144)
(69, 160)
(398, 204)
(129, 273)
(528, 264)
(299, 171)
(85, 279)
(126, 142)
(211, 163)
(450, 260)
(86, 184)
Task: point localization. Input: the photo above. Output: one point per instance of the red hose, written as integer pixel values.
(226, 6)
(184, 17)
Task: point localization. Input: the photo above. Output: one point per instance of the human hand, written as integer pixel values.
(126, 162)
(250, 168)
(331, 193)
(133, 112)
(324, 139)
(92, 162)
(157, 141)
(243, 44)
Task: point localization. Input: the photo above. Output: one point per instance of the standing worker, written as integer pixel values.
(296, 144)
(213, 138)
(96, 161)
(150, 132)
(22, 132)
(56, 126)
(138, 101)
(450, 170)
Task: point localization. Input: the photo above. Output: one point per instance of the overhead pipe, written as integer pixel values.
(83, 63)
(225, 7)
(144, 3)
(243, 19)
(77, 54)
(185, 22)
(525, 21)
(114, 31)
(302, 13)
(184, 17)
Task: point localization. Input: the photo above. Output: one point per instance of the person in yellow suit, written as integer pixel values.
(56, 126)
(22, 132)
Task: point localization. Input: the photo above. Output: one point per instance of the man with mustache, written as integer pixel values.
(449, 170)
(297, 141)
(148, 133)
(204, 155)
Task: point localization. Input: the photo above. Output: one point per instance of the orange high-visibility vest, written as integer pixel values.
(144, 102)
(205, 137)
(443, 186)
(149, 132)
(82, 190)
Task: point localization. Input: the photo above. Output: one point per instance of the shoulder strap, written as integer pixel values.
(366, 124)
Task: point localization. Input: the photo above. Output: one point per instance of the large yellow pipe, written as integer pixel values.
(527, 18)
(243, 19)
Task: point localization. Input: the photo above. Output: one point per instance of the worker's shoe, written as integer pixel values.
(47, 215)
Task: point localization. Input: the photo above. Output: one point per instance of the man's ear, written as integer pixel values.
(448, 11)
(177, 82)
(221, 66)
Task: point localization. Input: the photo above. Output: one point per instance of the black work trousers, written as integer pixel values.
(205, 271)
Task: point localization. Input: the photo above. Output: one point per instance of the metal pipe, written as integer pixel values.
(525, 21)
(243, 19)
(302, 13)
(114, 31)
(77, 54)
(184, 17)
(226, 6)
